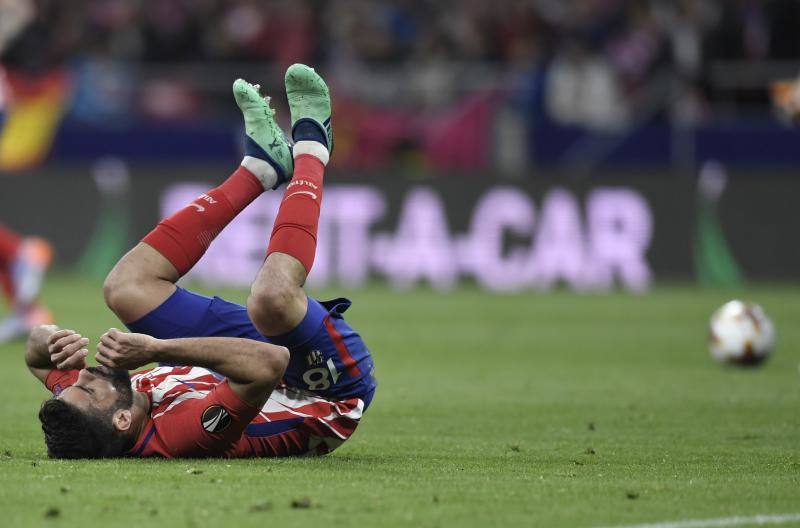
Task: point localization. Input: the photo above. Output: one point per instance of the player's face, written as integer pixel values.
(99, 388)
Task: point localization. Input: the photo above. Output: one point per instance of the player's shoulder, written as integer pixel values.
(182, 371)
(187, 376)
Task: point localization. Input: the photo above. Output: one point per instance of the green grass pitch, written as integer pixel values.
(520, 410)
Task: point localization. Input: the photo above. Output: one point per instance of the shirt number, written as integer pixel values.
(320, 378)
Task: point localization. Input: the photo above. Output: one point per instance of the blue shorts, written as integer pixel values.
(328, 357)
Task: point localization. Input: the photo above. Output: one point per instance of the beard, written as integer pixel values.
(120, 379)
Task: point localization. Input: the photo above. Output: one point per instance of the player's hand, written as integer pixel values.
(124, 350)
(67, 349)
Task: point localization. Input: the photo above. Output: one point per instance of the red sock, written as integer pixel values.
(295, 230)
(9, 244)
(184, 237)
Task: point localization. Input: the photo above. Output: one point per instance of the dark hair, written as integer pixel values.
(72, 433)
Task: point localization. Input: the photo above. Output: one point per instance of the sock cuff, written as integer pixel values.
(296, 241)
(163, 240)
(262, 170)
(313, 148)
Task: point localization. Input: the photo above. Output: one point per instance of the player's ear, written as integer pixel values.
(122, 420)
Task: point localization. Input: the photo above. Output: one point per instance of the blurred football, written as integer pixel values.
(740, 333)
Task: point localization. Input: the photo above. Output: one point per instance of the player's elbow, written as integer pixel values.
(279, 361)
(273, 363)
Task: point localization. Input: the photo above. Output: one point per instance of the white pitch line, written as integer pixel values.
(755, 520)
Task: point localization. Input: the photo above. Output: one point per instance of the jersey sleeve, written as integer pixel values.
(58, 380)
(205, 427)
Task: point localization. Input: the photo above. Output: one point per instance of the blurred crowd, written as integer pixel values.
(605, 58)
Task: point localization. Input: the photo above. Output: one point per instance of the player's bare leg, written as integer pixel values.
(277, 303)
(139, 283)
(145, 277)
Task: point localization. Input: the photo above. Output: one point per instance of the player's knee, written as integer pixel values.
(125, 292)
(117, 289)
(271, 306)
(111, 288)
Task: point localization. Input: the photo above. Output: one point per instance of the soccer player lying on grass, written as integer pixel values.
(294, 381)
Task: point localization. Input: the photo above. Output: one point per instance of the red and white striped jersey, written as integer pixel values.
(194, 413)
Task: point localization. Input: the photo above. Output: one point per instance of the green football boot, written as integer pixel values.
(264, 139)
(310, 105)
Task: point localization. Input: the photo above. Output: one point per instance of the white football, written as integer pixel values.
(740, 333)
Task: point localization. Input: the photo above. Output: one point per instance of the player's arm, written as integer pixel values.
(253, 368)
(50, 347)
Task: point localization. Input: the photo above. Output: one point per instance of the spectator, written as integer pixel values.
(581, 90)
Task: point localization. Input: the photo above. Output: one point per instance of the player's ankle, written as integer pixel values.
(313, 148)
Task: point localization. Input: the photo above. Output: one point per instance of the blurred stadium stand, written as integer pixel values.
(446, 84)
